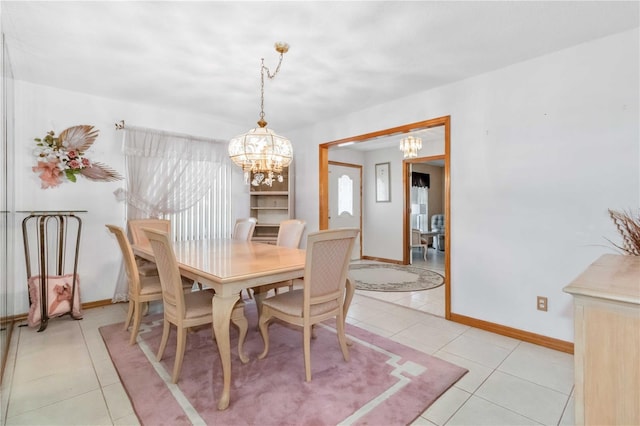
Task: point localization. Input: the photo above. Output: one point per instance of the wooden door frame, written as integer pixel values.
(323, 188)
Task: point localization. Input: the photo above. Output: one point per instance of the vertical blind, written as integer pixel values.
(211, 216)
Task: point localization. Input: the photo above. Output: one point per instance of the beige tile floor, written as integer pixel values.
(431, 301)
(64, 376)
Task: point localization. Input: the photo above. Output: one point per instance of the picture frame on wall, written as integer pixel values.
(383, 183)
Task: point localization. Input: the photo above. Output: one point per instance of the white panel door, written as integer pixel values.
(345, 200)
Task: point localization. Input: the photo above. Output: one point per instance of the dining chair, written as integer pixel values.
(138, 238)
(418, 242)
(185, 310)
(142, 289)
(322, 294)
(243, 229)
(289, 235)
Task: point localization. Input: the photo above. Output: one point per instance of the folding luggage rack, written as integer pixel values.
(56, 249)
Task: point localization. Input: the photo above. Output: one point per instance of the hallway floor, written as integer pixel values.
(430, 301)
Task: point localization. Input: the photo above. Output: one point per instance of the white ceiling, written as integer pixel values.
(204, 56)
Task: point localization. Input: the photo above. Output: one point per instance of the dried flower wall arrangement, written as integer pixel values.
(628, 225)
(63, 157)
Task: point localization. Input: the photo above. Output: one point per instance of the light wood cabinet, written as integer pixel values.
(607, 341)
(270, 205)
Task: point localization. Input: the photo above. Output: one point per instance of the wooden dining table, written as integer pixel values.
(230, 266)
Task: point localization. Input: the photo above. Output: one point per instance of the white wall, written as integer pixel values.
(40, 109)
(539, 151)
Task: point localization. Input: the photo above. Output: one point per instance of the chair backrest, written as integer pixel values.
(416, 240)
(326, 268)
(137, 235)
(169, 273)
(437, 222)
(290, 233)
(243, 230)
(129, 259)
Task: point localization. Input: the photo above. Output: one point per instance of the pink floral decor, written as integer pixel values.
(63, 157)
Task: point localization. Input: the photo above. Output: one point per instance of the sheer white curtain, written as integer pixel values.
(178, 177)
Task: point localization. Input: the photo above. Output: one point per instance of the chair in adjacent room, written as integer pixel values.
(185, 310)
(243, 229)
(322, 294)
(437, 226)
(418, 242)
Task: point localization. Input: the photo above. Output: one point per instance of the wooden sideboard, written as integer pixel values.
(607, 341)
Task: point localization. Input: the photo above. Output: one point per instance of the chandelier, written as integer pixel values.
(260, 150)
(410, 146)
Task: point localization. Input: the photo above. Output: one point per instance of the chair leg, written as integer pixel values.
(180, 346)
(129, 315)
(137, 318)
(342, 338)
(163, 342)
(240, 321)
(307, 352)
(263, 323)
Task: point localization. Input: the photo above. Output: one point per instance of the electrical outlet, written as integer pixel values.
(542, 303)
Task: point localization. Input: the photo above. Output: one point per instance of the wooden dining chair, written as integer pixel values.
(243, 229)
(138, 238)
(323, 291)
(185, 310)
(289, 235)
(417, 242)
(142, 289)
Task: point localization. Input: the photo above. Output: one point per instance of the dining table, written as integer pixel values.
(230, 266)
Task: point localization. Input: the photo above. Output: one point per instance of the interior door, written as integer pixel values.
(345, 200)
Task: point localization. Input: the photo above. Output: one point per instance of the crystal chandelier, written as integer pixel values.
(261, 151)
(410, 146)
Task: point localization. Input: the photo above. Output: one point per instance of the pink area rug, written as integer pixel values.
(385, 383)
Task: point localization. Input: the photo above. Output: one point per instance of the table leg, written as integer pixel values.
(222, 307)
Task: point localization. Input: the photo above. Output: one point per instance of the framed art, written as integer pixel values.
(383, 193)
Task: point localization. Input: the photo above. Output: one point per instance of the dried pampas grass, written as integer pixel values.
(629, 227)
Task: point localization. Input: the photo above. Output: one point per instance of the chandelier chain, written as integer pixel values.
(264, 68)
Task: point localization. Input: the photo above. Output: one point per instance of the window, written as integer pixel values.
(345, 195)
